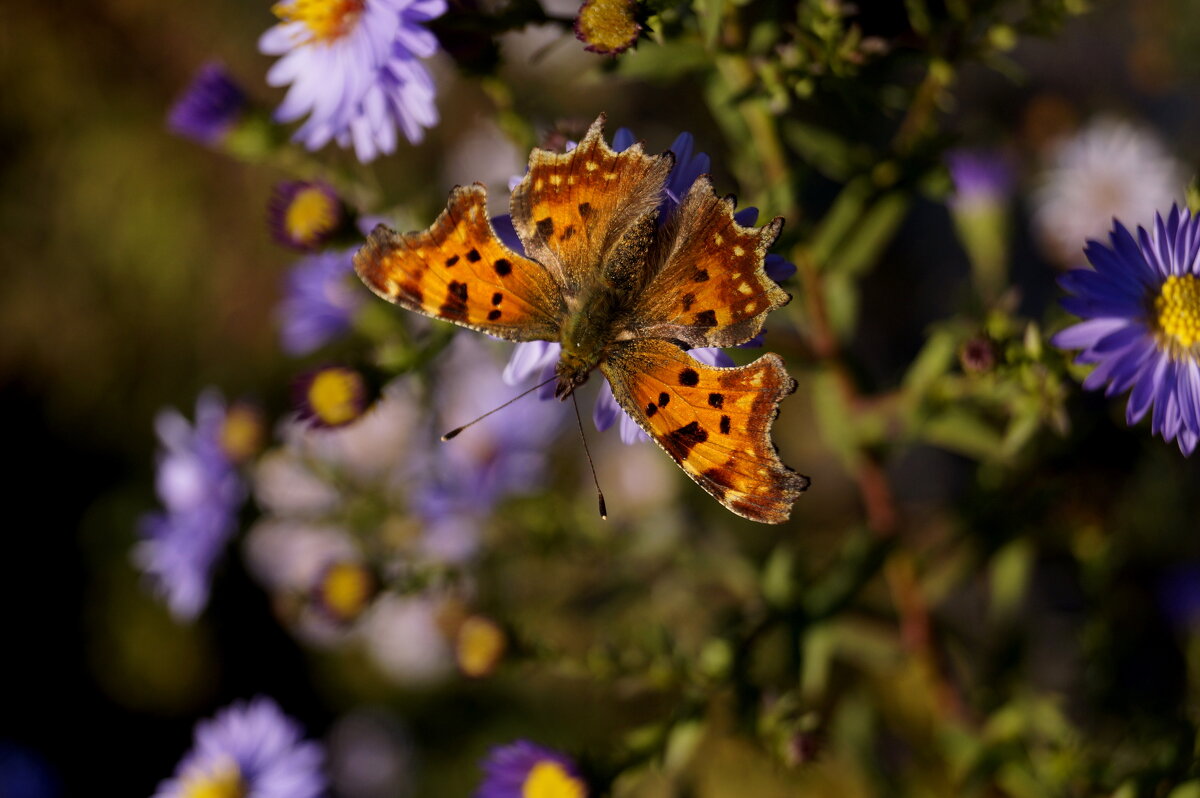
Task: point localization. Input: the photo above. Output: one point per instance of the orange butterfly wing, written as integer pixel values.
(714, 422)
(460, 271)
(712, 288)
(571, 210)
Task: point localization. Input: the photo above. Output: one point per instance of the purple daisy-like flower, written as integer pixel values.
(304, 215)
(320, 300)
(209, 107)
(251, 749)
(354, 68)
(1141, 322)
(980, 177)
(522, 769)
(536, 359)
(201, 493)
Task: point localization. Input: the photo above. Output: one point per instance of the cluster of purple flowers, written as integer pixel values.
(201, 492)
(503, 455)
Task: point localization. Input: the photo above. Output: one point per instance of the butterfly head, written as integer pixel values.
(572, 371)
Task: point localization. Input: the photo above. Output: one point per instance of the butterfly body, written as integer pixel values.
(623, 293)
(603, 308)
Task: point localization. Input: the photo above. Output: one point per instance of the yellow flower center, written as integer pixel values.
(334, 396)
(328, 20)
(222, 781)
(1178, 309)
(242, 433)
(480, 646)
(608, 26)
(550, 780)
(311, 214)
(346, 589)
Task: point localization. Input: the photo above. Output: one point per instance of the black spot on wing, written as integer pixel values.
(493, 315)
(568, 232)
(497, 297)
(700, 276)
(688, 301)
(680, 442)
(474, 256)
(689, 377)
(663, 398)
(716, 400)
(455, 305)
(545, 227)
(585, 210)
(706, 318)
(724, 425)
(450, 261)
(651, 409)
(502, 267)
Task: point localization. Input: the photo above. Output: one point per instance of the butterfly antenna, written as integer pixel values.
(591, 465)
(454, 432)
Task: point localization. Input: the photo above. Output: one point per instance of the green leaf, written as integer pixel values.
(833, 419)
(1026, 421)
(1010, 571)
(663, 62)
(779, 578)
(681, 744)
(918, 16)
(1189, 789)
(825, 151)
(710, 13)
(935, 359)
(841, 302)
(962, 431)
(819, 646)
(873, 232)
(840, 219)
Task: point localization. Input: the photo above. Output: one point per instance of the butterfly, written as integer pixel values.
(620, 293)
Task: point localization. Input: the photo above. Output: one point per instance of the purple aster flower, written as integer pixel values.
(320, 300)
(980, 177)
(252, 749)
(354, 68)
(201, 493)
(304, 215)
(1141, 322)
(331, 396)
(209, 107)
(522, 769)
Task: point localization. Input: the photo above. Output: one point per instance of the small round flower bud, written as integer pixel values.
(479, 647)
